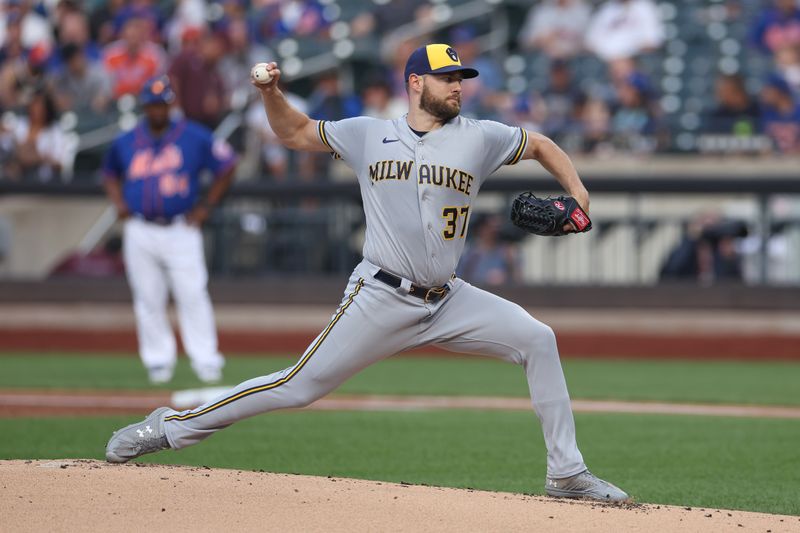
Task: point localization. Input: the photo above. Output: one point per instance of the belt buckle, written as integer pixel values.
(437, 293)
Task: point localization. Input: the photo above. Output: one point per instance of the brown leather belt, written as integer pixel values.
(432, 294)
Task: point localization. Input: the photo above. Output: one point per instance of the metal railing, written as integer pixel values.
(304, 228)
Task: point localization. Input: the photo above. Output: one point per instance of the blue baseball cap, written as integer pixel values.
(436, 59)
(157, 91)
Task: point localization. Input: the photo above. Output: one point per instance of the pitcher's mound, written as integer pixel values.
(84, 495)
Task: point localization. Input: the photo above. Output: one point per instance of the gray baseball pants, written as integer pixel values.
(375, 321)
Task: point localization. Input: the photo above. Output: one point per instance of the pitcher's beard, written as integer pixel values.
(443, 110)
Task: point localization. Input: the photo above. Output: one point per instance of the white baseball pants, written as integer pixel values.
(375, 321)
(160, 259)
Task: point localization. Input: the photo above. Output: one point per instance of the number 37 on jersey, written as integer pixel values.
(456, 219)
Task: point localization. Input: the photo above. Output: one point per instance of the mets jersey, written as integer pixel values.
(162, 175)
(418, 191)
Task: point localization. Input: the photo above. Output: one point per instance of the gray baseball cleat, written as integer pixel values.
(584, 485)
(147, 436)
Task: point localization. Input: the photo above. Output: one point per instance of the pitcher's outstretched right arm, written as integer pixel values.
(294, 129)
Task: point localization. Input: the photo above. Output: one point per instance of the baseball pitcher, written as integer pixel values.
(419, 176)
(152, 176)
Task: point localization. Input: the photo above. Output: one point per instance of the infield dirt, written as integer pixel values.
(86, 495)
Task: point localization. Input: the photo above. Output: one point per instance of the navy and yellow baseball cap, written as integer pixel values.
(157, 91)
(436, 59)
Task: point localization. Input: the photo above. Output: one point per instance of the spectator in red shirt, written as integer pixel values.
(197, 82)
(133, 59)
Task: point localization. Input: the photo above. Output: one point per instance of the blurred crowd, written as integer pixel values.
(67, 66)
(601, 77)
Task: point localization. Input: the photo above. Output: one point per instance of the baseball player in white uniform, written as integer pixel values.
(153, 178)
(419, 176)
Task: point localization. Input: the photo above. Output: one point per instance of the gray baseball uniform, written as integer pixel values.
(417, 193)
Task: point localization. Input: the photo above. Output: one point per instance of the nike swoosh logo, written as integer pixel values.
(387, 141)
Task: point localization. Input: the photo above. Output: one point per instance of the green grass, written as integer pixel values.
(768, 383)
(735, 463)
(731, 463)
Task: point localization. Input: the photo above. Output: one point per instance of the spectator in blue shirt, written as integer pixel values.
(777, 27)
(780, 115)
(736, 113)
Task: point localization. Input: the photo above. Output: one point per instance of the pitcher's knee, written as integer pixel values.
(308, 393)
(303, 398)
(546, 336)
(539, 341)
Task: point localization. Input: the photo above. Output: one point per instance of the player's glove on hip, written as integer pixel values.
(548, 216)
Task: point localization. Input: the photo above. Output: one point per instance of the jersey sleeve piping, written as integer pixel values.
(233, 161)
(324, 139)
(517, 154)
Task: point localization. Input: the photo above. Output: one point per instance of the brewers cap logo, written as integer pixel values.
(436, 58)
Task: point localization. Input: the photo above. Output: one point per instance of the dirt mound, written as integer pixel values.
(84, 495)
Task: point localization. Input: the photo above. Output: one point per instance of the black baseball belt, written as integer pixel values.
(160, 221)
(429, 294)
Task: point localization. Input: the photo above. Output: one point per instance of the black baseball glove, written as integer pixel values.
(548, 216)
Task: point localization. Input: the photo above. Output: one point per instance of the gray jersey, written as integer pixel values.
(418, 191)
(417, 196)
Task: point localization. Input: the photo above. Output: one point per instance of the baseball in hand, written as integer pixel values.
(261, 74)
